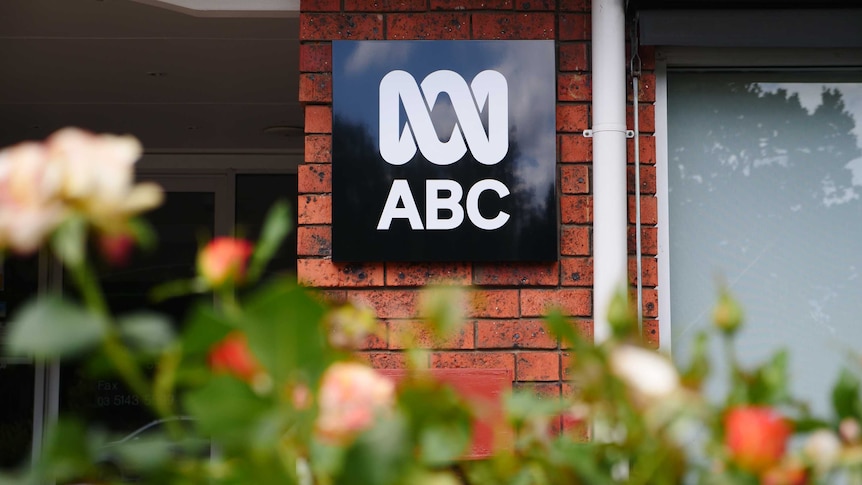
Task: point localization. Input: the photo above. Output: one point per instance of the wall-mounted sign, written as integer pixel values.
(444, 151)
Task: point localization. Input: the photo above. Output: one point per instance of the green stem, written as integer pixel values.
(117, 352)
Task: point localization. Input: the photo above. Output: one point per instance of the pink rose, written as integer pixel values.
(351, 396)
(756, 437)
(224, 261)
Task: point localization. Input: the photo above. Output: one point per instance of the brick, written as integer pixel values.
(574, 5)
(471, 5)
(492, 26)
(436, 26)
(320, 5)
(315, 88)
(649, 209)
(376, 341)
(421, 274)
(384, 5)
(318, 118)
(385, 360)
(318, 149)
(314, 241)
(646, 89)
(314, 209)
(535, 5)
(574, 87)
(387, 303)
(577, 271)
(646, 146)
(647, 179)
(474, 360)
(575, 149)
(649, 240)
(537, 366)
(524, 274)
(572, 117)
(646, 120)
(650, 303)
(417, 334)
(315, 57)
(567, 360)
(575, 240)
(649, 271)
(576, 209)
(583, 327)
(330, 26)
(513, 334)
(574, 57)
(575, 179)
(494, 303)
(650, 332)
(323, 273)
(647, 55)
(314, 178)
(570, 301)
(575, 26)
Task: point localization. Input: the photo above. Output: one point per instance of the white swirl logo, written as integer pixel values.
(399, 87)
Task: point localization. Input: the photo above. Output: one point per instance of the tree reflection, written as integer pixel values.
(761, 193)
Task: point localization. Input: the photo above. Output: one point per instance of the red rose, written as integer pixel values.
(233, 356)
(756, 437)
(224, 261)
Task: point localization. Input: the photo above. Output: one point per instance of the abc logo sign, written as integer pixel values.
(443, 151)
(397, 147)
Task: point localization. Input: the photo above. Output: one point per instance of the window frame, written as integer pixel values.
(715, 59)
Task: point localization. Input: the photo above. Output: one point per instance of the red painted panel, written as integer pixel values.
(484, 390)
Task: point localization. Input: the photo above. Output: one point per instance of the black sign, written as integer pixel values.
(444, 151)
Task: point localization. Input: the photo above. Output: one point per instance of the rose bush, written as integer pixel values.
(260, 384)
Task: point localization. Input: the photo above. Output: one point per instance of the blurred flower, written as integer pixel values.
(224, 261)
(349, 325)
(648, 374)
(351, 395)
(787, 473)
(116, 248)
(71, 171)
(823, 449)
(727, 314)
(233, 356)
(755, 436)
(850, 430)
(29, 205)
(98, 176)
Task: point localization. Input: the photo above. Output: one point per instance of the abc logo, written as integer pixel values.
(487, 87)
(443, 209)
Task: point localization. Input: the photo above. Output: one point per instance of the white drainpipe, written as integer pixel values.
(609, 159)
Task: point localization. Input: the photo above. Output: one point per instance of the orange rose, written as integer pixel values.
(756, 437)
(224, 260)
(351, 396)
(232, 356)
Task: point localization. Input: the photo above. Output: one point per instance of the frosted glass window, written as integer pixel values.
(765, 178)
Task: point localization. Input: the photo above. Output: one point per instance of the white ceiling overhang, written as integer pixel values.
(229, 8)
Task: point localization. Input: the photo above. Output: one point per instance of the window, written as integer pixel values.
(763, 172)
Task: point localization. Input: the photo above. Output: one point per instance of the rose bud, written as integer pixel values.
(116, 248)
(727, 314)
(822, 448)
(232, 356)
(756, 437)
(224, 261)
(790, 473)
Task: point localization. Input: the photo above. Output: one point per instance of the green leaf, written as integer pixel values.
(51, 327)
(770, 383)
(204, 329)
(276, 226)
(69, 451)
(379, 456)
(285, 331)
(443, 442)
(70, 241)
(227, 410)
(846, 396)
(147, 331)
(560, 327)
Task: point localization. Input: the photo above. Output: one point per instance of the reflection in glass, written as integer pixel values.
(18, 283)
(184, 220)
(764, 172)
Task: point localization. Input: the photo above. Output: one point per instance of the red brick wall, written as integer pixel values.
(508, 300)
